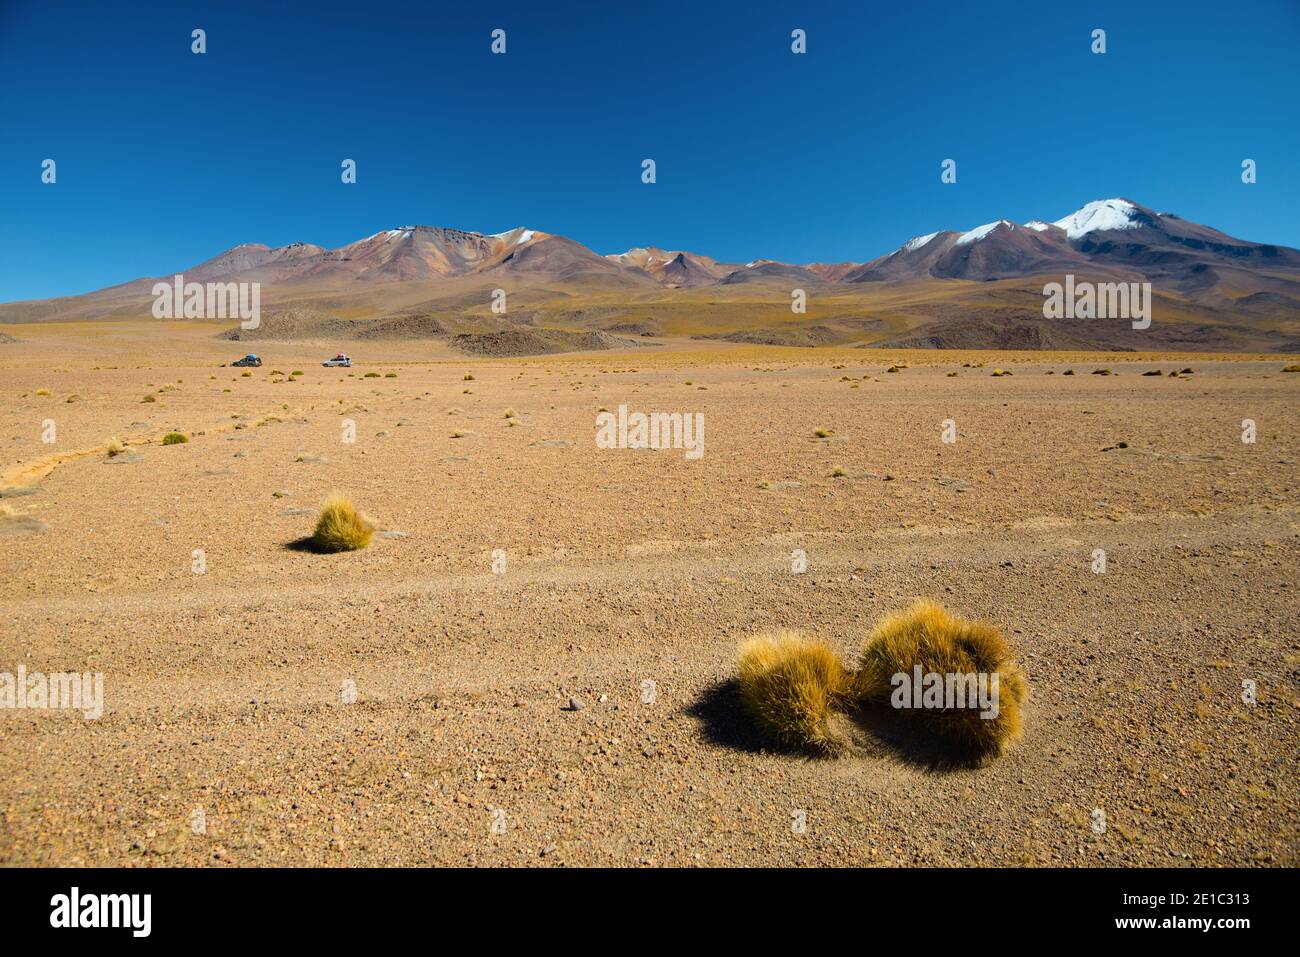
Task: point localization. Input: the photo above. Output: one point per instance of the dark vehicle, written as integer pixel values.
(248, 360)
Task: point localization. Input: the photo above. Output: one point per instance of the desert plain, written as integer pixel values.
(532, 663)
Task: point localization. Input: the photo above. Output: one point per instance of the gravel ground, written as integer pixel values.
(577, 709)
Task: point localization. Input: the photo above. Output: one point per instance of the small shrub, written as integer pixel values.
(42, 391)
(1153, 372)
(371, 375)
(245, 375)
(297, 372)
(115, 447)
(175, 438)
(468, 377)
(1291, 368)
(790, 685)
(928, 637)
(510, 414)
(149, 398)
(823, 433)
(390, 375)
(340, 528)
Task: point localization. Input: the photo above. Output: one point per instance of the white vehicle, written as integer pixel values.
(338, 360)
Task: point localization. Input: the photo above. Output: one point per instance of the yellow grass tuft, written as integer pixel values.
(42, 391)
(175, 438)
(791, 685)
(341, 528)
(115, 447)
(939, 642)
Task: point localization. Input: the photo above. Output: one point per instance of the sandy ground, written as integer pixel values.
(224, 692)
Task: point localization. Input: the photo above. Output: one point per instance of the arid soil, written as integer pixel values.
(630, 576)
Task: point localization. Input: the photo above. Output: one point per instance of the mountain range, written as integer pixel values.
(980, 287)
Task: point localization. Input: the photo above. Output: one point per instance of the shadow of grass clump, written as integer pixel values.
(722, 717)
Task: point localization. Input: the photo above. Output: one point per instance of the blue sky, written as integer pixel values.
(166, 158)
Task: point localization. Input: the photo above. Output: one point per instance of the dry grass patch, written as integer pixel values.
(340, 527)
(175, 438)
(790, 685)
(929, 637)
(115, 447)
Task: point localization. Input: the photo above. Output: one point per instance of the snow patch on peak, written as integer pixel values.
(919, 241)
(521, 235)
(979, 232)
(1100, 214)
(1037, 225)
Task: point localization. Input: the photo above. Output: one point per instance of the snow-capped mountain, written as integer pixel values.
(1106, 234)
(947, 287)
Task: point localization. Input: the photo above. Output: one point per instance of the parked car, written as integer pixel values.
(248, 360)
(338, 360)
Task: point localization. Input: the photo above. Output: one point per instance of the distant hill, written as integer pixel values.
(980, 287)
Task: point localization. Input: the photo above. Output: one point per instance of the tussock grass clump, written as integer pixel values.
(1291, 368)
(42, 391)
(511, 414)
(790, 685)
(929, 637)
(468, 377)
(823, 433)
(115, 447)
(998, 373)
(1153, 372)
(371, 375)
(175, 438)
(390, 375)
(340, 527)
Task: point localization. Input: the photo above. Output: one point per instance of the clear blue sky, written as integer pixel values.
(166, 158)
